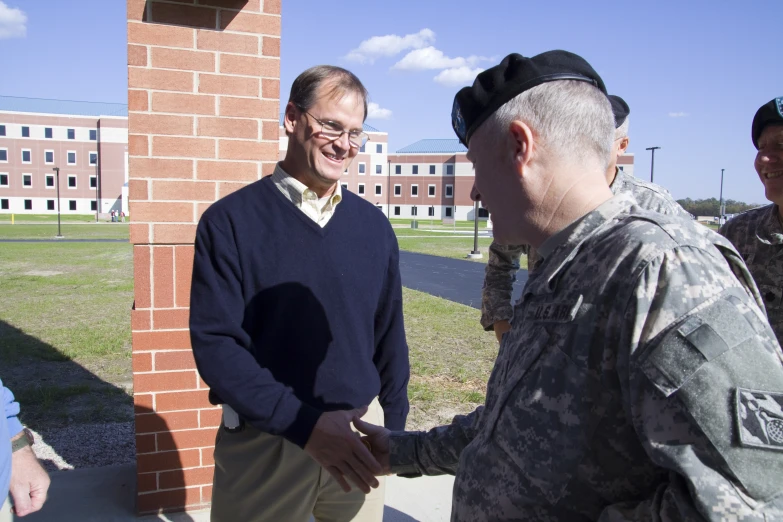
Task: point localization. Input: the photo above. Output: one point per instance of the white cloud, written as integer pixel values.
(375, 112)
(432, 58)
(13, 22)
(457, 76)
(389, 45)
(678, 114)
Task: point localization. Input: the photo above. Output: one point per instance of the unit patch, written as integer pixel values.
(759, 417)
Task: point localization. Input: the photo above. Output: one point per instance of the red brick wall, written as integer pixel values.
(203, 101)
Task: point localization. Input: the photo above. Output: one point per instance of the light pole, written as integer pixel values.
(475, 254)
(57, 180)
(720, 207)
(652, 164)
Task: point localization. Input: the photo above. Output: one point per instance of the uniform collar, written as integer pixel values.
(297, 192)
(770, 230)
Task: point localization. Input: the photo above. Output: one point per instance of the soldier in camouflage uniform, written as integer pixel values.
(503, 262)
(757, 234)
(640, 380)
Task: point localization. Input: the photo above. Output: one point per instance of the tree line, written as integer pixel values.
(711, 207)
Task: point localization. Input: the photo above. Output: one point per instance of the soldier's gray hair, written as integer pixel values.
(622, 130)
(570, 118)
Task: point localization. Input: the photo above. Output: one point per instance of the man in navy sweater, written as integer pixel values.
(296, 322)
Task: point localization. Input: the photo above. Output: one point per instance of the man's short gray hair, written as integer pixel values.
(622, 130)
(570, 118)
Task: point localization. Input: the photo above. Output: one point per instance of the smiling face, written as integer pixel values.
(769, 162)
(315, 160)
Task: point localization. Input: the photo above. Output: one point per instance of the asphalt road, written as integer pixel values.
(451, 279)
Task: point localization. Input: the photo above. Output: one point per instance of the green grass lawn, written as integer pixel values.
(66, 343)
(437, 223)
(51, 218)
(69, 230)
(65, 331)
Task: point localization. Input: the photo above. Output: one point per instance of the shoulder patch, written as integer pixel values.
(759, 416)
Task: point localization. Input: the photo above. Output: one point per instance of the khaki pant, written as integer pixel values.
(265, 478)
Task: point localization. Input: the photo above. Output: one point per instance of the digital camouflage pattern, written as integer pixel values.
(758, 237)
(638, 353)
(503, 262)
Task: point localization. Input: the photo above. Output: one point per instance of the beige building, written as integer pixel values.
(88, 142)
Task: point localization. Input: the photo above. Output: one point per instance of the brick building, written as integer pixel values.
(86, 141)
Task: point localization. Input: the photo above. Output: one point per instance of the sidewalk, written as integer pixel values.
(107, 495)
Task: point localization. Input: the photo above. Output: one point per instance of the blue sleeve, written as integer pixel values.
(391, 348)
(11, 411)
(221, 346)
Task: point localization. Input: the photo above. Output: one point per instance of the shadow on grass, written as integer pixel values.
(58, 397)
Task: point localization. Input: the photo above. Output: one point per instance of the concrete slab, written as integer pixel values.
(108, 495)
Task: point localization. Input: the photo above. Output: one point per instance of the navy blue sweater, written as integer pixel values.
(289, 320)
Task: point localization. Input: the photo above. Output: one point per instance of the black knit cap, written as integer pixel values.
(771, 112)
(620, 110)
(515, 75)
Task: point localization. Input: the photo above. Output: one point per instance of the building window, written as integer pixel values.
(28, 204)
(27, 156)
(379, 148)
(414, 190)
(71, 157)
(3, 180)
(71, 181)
(27, 180)
(449, 170)
(93, 205)
(398, 190)
(93, 135)
(3, 204)
(48, 133)
(396, 211)
(620, 167)
(93, 158)
(344, 186)
(448, 212)
(398, 169)
(449, 191)
(415, 169)
(379, 169)
(378, 189)
(71, 134)
(432, 169)
(71, 204)
(431, 211)
(346, 172)
(483, 213)
(49, 204)
(94, 182)
(4, 155)
(414, 212)
(2, 130)
(50, 181)
(361, 168)
(362, 148)
(431, 191)
(25, 132)
(49, 157)
(361, 189)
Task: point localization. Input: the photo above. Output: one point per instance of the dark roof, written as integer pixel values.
(434, 146)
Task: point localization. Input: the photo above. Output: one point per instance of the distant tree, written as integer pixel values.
(711, 206)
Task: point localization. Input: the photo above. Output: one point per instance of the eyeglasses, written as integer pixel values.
(333, 132)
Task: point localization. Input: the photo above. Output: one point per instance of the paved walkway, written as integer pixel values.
(108, 495)
(451, 279)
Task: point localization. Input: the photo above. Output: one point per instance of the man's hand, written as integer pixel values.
(378, 437)
(335, 446)
(29, 482)
(501, 327)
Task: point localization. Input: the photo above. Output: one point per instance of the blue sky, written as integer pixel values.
(693, 72)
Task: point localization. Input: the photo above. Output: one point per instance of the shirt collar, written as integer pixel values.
(297, 191)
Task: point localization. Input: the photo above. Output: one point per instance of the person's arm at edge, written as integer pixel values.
(499, 275)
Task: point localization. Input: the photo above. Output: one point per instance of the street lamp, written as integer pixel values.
(652, 164)
(720, 208)
(475, 253)
(57, 180)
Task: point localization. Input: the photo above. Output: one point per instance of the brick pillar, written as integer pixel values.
(203, 105)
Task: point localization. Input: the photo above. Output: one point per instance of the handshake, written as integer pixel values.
(345, 454)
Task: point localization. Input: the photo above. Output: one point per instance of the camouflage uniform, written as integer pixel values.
(639, 381)
(503, 261)
(758, 237)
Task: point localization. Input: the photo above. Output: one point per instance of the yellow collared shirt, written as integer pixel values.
(319, 210)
